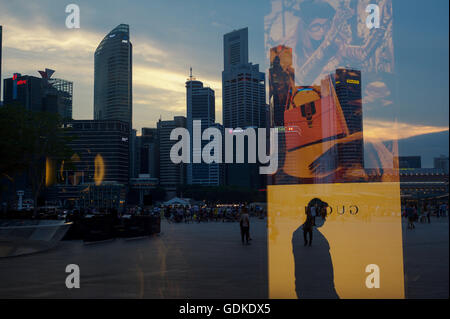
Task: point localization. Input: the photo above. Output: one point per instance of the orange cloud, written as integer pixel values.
(381, 130)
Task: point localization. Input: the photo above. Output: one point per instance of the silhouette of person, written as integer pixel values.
(314, 276)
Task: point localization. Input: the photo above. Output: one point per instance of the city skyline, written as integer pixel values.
(160, 74)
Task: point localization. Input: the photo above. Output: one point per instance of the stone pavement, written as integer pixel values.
(204, 260)
(426, 259)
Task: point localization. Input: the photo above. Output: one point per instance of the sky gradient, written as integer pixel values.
(168, 37)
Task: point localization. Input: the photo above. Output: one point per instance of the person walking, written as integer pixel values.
(428, 213)
(245, 226)
(410, 214)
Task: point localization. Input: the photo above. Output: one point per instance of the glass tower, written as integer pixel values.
(200, 102)
(113, 76)
(243, 86)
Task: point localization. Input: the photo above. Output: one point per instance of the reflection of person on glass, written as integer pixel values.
(314, 277)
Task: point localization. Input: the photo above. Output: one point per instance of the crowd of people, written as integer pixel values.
(196, 214)
(423, 211)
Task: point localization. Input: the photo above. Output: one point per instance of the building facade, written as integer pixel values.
(441, 163)
(101, 151)
(409, 162)
(243, 86)
(148, 152)
(44, 94)
(243, 102)
(97, 173)
(113, 76)
(170, 175)
(348, 90)
(200, 106)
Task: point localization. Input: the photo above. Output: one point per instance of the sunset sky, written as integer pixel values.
(168, 37)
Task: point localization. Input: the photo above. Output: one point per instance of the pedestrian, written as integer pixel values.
(410, 214)
(245, 226)
(442, 210)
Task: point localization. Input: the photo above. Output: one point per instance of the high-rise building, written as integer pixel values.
(40, 94)
(243, 101)
(97, 175)
(170, 174)
(200, 102)
(148, 152)
(134, 145)
(101, 151)
(348, 90)
(243, 86)
(64, 91)
(441, 163)
(409, 162)
(113, 76)
(235, 48)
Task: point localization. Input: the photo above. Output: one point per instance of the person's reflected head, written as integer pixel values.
(317, 16)
(321, 211)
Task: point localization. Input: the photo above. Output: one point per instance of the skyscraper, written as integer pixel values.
(113, 76)
(40, 94)
(149, 152)
(243, 101)
(235, 48)
(170, 174)
(243, 86)
(62, 89)
(200, 102)
(348, 91)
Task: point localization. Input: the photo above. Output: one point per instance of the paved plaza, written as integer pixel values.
(204, 260)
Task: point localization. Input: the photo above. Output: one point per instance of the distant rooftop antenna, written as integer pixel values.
(190, 73)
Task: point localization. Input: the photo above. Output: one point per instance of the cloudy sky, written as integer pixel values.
(170, 36)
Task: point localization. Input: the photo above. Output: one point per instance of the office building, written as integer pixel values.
(441, 163)
(170, 175)
(97, 174)
(101, 151)
(243, 101)
(148, 152)
(200, 102)
(134, 154)
(64, 93)
(348, 90)
(405, 162)
(243, 86)
(40, 94)
(113, 76)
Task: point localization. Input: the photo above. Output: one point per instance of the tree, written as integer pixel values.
(29, 141)
(14, 129)
(47, 143)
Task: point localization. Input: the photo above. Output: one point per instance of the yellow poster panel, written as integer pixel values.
(356, 250)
